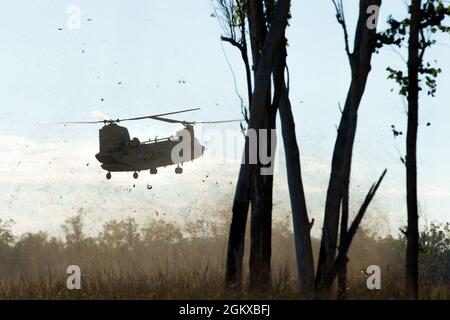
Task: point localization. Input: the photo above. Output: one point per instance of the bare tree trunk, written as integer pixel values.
(360, 59)
(265, 65)
(264, 47)
(262, 186)
(261, 230)
(412, 235)
(342, 275)
(301, 223)
(236, 238)
(258, 30)
(241, 204)
(258, 115)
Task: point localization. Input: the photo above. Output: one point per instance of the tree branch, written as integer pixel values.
(341, 258)
(340, 16)
(232, 42)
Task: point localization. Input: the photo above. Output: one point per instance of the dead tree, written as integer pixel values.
(341, 259)
(360, 65)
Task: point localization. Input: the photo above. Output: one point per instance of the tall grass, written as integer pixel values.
(164, 260)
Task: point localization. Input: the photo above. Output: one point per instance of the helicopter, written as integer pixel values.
(119, 153)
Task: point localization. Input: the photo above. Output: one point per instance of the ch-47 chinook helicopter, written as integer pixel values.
(119, 153)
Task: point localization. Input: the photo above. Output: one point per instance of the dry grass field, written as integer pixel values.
(163, 260)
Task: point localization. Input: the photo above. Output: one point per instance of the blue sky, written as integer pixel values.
(144, 57)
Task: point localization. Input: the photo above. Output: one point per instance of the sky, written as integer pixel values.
(133, 58)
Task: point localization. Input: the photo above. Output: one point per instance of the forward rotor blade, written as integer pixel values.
(159, 115)
(78, 122)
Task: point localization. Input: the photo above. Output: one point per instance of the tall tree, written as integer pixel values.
(360, 65)
(301, 223)
(259, 15)
(251, 184)
(416, 33)
(412, 246)
(262, 185)
(232, 15)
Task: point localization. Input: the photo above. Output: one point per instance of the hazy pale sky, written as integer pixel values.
(132, 58)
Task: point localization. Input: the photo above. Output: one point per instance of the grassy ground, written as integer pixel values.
(161, 260)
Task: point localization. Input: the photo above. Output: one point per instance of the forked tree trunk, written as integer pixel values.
(360, 59)
(341, 258)
(258, 113)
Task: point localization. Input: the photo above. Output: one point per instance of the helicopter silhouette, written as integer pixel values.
(120, 153)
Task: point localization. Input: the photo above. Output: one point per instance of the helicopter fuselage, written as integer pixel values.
(119, 153)
(145, 156)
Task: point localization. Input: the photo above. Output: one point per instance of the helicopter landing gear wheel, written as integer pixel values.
(153, 171)
(178, 170)
(135, 175)
(108, 176)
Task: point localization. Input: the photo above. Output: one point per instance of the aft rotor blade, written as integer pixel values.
(195, 122)
(170, 120)
(220, 121)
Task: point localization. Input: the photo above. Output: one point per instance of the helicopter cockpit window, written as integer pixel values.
(135, 142)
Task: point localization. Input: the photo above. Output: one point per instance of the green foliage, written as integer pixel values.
(73, 229)
(433, 19)
(435, 249)
(400, 78)
(430, 75)
(6, 236)
(121, 233)
(160, 230)
(434, 13)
